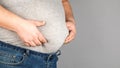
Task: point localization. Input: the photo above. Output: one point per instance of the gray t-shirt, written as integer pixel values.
(52, 11)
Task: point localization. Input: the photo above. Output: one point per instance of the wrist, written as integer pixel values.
(17, 26)
(72, 20)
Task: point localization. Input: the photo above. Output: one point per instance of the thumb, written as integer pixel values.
(40, 23)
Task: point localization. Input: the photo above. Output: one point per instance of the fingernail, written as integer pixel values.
(46, 41)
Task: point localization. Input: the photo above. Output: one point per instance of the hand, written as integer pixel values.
(30, 34)
(72, 31)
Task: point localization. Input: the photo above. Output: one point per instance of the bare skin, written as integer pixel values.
(32, 36)
(70, 21)
(35, 38)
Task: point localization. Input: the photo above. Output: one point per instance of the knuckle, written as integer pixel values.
(43, 40)
(28, 39)
(33, 45)
(38, 43)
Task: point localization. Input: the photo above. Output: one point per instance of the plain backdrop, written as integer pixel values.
(97, 43)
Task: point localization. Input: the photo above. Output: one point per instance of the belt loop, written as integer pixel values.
(27, 52)
(58, 53)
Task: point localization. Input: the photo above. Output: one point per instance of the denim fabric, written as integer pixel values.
(16, 57)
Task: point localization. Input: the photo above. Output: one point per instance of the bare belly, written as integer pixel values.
(55, 30)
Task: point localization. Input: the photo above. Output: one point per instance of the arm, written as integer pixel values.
(68, 11)
(70, 22)
(9, 20)
(30, 36)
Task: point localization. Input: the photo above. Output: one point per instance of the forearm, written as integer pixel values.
(9, 20)
(68, 11)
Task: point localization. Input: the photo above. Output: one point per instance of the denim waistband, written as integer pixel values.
(27, 51)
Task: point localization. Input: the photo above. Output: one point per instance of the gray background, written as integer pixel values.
(97, 44)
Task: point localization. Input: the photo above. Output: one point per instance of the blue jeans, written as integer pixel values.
(16, 57)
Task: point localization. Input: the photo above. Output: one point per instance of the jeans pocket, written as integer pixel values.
(11, 57)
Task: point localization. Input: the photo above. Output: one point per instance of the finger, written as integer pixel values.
(37, 41)
(70, 39)
(37, 23)
(32, 43)
(72, 31)
(27, 44)
(71, 34)
(42, 38)
(71, 27)
(40, 23)
(39, 44)
(66, 40)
